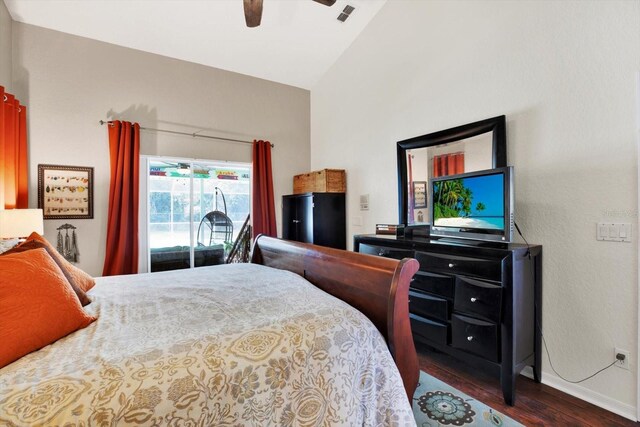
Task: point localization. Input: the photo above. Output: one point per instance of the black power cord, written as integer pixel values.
(544, 342)
(558, 374)
(525, 240)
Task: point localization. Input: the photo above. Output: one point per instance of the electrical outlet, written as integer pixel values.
(624, 364)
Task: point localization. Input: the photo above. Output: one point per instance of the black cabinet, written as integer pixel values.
(317, 218)
(479, 302)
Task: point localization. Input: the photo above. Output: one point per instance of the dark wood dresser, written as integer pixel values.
(477, 301)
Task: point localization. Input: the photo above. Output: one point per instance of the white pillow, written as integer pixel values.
(6, 244)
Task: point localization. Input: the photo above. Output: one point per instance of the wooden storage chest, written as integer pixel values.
(323, 181)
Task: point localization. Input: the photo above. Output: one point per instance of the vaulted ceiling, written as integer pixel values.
(296, 43)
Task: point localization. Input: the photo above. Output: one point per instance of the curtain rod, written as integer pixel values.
(194, 135)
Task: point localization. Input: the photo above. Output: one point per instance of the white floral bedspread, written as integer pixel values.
(231, 345)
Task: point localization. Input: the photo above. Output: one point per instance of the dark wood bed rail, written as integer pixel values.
(378, 287)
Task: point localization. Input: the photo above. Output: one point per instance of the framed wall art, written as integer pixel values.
(65, 192)
(419, 194)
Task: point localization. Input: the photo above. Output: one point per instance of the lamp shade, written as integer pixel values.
(20, 222)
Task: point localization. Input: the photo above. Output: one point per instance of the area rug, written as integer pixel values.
(437, 404)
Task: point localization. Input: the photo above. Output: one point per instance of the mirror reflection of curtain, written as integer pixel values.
(448, 164)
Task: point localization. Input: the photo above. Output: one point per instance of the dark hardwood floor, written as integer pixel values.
(536, 404)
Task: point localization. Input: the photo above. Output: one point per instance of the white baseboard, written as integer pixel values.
(611, 405)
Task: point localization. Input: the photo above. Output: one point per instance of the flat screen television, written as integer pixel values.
(475, 205)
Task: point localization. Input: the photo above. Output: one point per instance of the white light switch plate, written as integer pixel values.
(364, 202)
(613, 232)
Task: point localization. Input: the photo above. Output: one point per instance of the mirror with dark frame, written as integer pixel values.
(467, 148)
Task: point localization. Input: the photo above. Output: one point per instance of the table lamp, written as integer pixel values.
(20, 223)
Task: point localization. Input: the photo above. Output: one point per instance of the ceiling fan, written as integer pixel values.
(253, 10)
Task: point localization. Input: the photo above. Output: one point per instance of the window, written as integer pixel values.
(199, 205)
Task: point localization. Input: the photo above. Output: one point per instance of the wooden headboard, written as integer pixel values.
(378, 287)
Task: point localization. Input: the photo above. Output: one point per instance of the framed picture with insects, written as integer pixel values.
(65, 192)
(419, 194)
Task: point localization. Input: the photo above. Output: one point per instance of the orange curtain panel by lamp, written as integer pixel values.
(14, 187)
(122, 224)
(263, 205)
(448, 164)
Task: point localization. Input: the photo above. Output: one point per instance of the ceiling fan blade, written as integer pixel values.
(325, 2)
(252, 12)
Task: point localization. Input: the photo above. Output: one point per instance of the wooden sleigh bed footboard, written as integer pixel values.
(377, 287)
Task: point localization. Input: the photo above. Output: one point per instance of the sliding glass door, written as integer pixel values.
(195, 211)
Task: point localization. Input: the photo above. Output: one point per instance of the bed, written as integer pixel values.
(238, 344)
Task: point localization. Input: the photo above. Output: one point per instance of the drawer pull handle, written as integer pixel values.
(474, 299)
(470, 338)
(451, 265)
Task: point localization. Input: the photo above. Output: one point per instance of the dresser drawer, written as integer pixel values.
(429, 330)
(385, 251)
(428, 306)
(486, 268)
(478, 298)
(475, 336)
(439, 284)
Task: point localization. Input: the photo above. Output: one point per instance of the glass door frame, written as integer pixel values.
(144, 223)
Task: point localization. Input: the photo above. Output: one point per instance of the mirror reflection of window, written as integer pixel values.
(466, 155)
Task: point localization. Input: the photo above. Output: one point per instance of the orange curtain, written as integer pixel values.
(448, 164)
(263, 205)
(459, 163)
(122, 224)
(436, 167)
(14, 187)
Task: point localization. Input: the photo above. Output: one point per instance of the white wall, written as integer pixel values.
(5, 47)
(69, 83)
(563, 72)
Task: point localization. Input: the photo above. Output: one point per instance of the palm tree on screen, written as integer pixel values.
(452, 199)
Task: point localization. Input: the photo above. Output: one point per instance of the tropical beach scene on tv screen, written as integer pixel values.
(475, 202)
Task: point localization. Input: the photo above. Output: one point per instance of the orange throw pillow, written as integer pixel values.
(82, 279)
(33, 244)
(37, 305)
